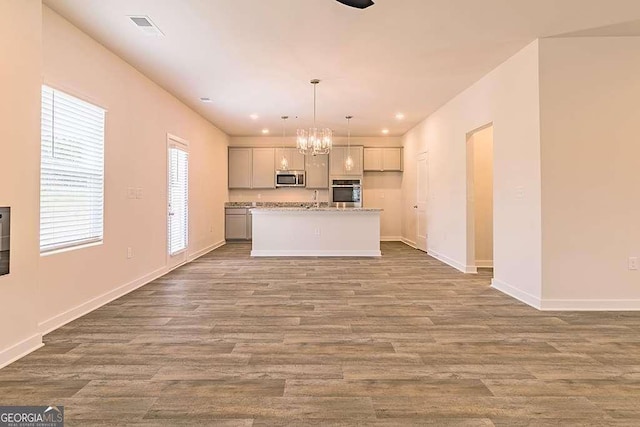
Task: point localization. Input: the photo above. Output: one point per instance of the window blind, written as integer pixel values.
(71, 171)
(178, 199)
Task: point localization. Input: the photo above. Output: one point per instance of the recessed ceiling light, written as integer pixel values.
(385, 131)
(399, 116)
(265, 131)
(254, 117)
(206, 99)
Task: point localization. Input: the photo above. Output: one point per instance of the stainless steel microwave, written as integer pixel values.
(290, 179)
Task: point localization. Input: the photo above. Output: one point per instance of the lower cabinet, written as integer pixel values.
(237, 224)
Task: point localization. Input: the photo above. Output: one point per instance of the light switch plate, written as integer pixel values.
(131, 193)
(139, 193)
(633, 263)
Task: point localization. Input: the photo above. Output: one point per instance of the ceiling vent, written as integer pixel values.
(145, 24)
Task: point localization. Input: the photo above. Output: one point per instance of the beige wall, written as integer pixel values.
(508, 97)
(590, 113)
(20, 53)
(480, 188)
(381, 189)
(139, 116)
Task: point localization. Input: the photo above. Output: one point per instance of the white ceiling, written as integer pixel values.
(257, 56)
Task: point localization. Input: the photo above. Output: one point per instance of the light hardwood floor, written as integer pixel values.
(401, 340)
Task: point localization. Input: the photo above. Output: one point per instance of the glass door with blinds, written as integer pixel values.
(178, 200)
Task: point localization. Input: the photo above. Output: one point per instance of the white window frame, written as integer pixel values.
(180, 144)
(94, 233)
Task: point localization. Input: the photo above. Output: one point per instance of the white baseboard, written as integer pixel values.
(409, 242)
(451, 262)
(516, 293)
(390, 238)
(206, 250)
(590, 305)
(484, 263)
(63, 318)
(21, 349)
(315, 253)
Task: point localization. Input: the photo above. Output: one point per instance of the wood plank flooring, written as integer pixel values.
(401, 340)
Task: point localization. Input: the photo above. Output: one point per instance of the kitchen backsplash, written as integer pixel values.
(277, 195)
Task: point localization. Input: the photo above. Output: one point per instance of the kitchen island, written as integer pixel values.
(311, 231)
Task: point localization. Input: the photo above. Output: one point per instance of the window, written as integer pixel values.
(71, 171)
(178, 199)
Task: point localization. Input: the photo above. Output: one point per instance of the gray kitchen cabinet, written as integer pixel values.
(264, 167)
(387, 159)
(338, 157)
(317, 168)
(295, 159)
(240, 164)
(237, 224)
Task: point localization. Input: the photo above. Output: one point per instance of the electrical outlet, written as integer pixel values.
(633, 263)
(131, 193)
(129, 253)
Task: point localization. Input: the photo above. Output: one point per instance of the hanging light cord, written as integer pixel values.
(349, 134)
(315, 86)
(284, 118)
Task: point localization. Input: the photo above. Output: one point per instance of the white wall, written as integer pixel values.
(42, 293)
(20, 50)
(590, 112)
(140, 114)
(508, 97)
(381, 189)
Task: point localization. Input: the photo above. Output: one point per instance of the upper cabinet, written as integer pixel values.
(388, 159)
(338, 157)
(264, 166)
(240, 164)
(251, 167)
(317, 168)
(295, 159)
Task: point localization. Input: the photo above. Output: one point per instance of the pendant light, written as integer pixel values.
(314, 141)
(284, 163)
(348, 163)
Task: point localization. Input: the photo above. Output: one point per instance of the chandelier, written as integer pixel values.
(314, 141)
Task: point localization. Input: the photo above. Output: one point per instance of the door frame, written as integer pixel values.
(471, 266)
(422, 156)
(180, 257)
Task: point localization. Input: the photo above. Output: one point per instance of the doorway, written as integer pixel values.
(422, 196)
(480, 199)
(177, 201)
